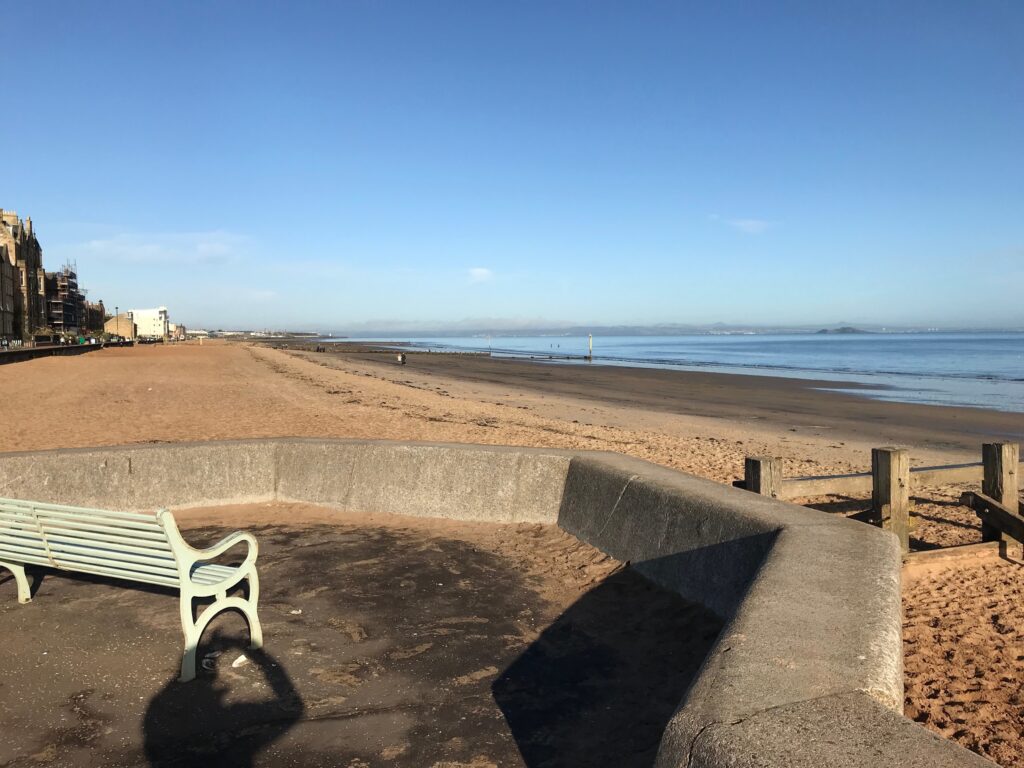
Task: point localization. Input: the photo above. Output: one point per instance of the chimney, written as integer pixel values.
(28, 225)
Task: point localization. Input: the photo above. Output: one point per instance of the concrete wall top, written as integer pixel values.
(807, 671)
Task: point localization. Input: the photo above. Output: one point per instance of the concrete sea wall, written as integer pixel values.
(807, 671)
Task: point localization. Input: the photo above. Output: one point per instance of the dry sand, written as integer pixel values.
(963, 637)
(223, 390)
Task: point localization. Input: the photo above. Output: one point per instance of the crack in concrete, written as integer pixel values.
(615, 506)
(758, 713)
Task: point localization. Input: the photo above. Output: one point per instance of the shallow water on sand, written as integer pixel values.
(984, 370)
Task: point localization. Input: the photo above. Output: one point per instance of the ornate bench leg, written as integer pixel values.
(255, 628)
(191, 632)
(24, 593)
(193, 628)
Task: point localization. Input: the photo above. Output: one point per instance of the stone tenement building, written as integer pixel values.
(26, 256)
(32, 300)
(8, 290)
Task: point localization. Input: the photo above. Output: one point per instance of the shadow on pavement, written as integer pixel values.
(600, 684)
(217, 719)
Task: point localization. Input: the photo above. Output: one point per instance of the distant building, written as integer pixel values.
(34, 302)
(65, 304)
(25, 254)
(121, 325)
(151, 323)
(9, 289)
(95, 315)
(176, 331)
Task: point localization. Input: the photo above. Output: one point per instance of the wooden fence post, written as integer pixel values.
(1000, 481)
(763, 475)
(890, 491)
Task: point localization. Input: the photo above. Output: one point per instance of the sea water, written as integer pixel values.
(984, 370)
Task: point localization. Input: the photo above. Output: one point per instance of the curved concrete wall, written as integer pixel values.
(808, 670)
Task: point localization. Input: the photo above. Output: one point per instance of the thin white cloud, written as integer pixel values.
(480, 275)
(747, 226)
(214, 247)
(260, 294)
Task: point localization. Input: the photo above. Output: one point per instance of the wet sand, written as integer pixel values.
(737, 398)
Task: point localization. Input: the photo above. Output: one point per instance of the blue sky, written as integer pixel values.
(350, 164)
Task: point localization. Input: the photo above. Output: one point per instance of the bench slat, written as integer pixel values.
(91, 537)
(54, 525)
(77, 511)
(162, 577)
(71, 558)
(22, 513)
(20, 520)
(9, 529)
(23, 542)
(63, 550)
(75, 519)
(18, 529)
(25, 558)
(23, 545)
(145, 578)
(74, 562)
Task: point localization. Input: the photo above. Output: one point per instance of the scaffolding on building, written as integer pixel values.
(65, 303)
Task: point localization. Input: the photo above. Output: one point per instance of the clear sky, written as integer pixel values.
(341, 164)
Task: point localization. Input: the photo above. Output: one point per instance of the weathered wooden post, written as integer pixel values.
(763, 475)
(890, 491)
(1000, 481)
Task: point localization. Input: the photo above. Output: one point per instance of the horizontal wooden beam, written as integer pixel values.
(860, 482)
(995, 514)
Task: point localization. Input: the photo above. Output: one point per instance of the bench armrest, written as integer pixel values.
(227, 543)
(187, 556)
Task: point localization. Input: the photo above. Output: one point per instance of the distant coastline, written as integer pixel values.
(966, 370)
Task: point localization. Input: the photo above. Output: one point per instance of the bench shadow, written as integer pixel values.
(213, 719)
(38, 574)
(601, 683)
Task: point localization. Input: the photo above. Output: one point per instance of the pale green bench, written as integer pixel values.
(146, 548)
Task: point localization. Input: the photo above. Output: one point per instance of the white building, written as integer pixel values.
(151, 323)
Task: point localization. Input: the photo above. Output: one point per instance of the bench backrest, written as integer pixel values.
(122, 545)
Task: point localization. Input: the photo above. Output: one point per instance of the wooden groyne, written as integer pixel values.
(892, 479)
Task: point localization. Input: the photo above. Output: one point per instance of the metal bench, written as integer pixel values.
(146, 548)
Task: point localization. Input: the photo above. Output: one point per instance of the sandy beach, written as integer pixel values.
(700, 423)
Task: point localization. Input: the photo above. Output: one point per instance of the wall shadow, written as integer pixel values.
(600, 684)
(209, 721)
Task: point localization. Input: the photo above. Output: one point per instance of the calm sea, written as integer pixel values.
(983, 370)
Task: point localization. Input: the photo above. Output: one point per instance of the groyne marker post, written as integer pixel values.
(1000, 482)
(890, 491)
(763, 475)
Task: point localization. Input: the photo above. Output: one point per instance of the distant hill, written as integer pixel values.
(844, 329)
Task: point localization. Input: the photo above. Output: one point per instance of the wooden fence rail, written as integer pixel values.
(891, 480)
(861, 482)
